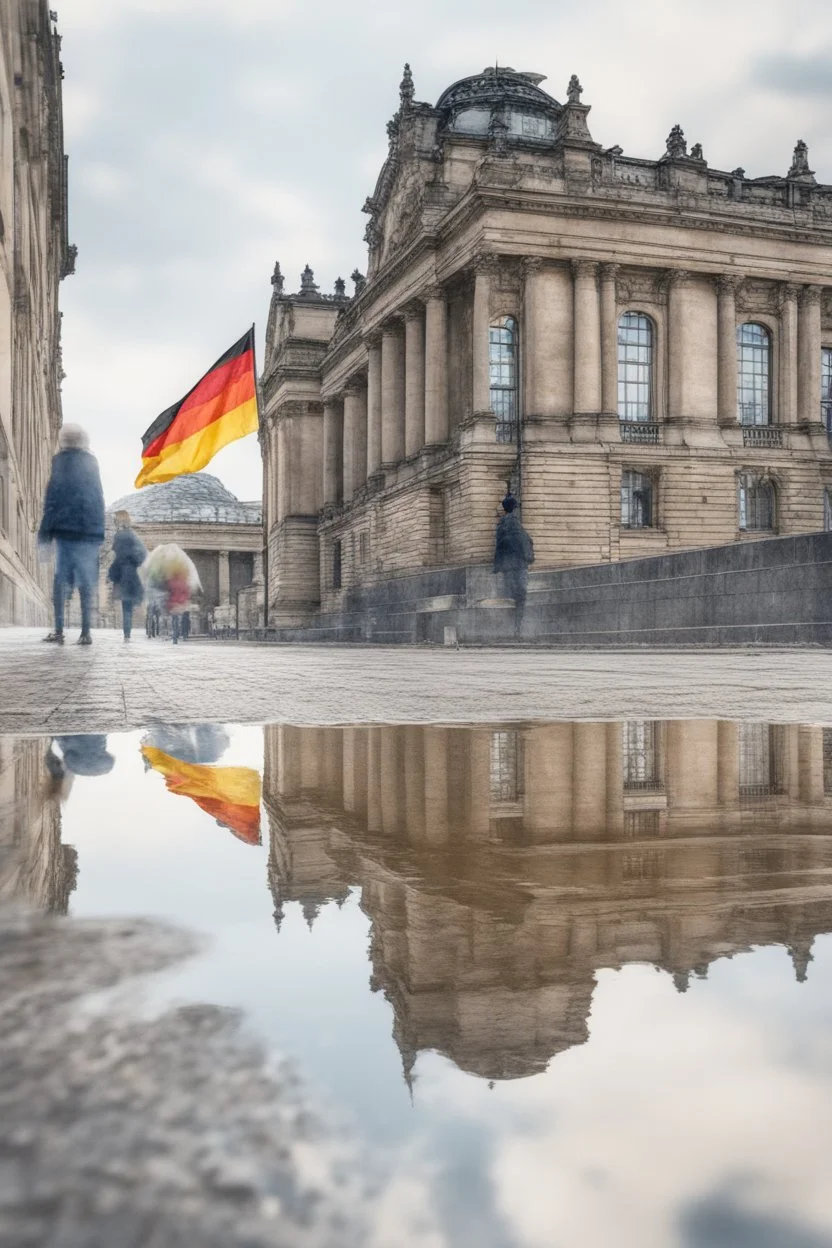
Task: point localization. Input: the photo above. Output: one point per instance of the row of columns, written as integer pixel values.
(398, 407)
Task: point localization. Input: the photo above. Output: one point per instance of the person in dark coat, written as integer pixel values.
(513, 553)
(129, 553)
(73, 518)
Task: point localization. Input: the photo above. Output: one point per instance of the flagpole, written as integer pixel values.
(264, 549)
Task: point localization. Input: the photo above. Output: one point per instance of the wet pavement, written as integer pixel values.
(110, 686)
(559, 983)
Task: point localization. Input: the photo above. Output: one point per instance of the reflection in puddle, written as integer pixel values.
(494, 898)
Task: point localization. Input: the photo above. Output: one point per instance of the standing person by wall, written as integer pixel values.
(129, 553)
(513, 553)
(73, 518)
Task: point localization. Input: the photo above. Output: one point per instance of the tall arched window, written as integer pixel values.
(757, 502)
(635, 367)
(502, 376)
(753, 374)
(826, 389)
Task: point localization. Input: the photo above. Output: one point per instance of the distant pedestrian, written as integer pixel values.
(129, 553)
(73, 518)
(513, 553)
(186, 625)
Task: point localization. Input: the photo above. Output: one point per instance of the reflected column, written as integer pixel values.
(436, 785)
(414, 783)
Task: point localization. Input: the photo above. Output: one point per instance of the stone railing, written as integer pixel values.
(640, 431)
(765, 436)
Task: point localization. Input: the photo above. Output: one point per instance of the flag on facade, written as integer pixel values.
(221, 408)
(231, 795)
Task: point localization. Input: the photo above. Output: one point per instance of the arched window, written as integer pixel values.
(635, 367)
(753, 374)
(826, 389)
(757, 502)
(502, 375)
(636, 500)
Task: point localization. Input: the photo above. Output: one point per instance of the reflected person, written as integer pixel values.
(73, 518)
(82, 754)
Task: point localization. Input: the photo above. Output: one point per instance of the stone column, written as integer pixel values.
(436, 785)
(531, 336)
(587, 337)
(392, 395)
(373, 404)
(676, 280)
(609, 340)
(283, 476)
(258, 567)
(726, 289)
(436, 367)
(808, 354)
(355, 438)
(224, 577)
(589, 771)
(482, 319)
(788, 355)
(728, 764)
(332, 452)
(615, 780)
(414, 383)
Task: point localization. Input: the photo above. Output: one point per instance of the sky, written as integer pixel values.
(209, 138)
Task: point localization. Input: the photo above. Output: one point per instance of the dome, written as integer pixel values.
(194, 499)
(528, 112)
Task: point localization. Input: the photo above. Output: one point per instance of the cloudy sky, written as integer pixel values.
(209, 138)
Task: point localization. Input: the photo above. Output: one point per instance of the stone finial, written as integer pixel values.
(340, 287)
(800, 162)
(676, 143)
(359, 279)
(498, 132)
(307, 282)
(277, 279)
(696, 152)
(406, 88)
(574, 91)
(738, 173)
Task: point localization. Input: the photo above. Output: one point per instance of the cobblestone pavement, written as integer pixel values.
(111, 686)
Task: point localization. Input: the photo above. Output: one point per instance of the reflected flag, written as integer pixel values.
(221, 408)
(231, 795)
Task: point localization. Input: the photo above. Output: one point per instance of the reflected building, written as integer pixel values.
(501, 866)
(34, 865)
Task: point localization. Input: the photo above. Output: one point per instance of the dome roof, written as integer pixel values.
(498, 85)
(194, 499)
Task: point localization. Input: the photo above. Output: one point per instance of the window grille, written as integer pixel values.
(827, 511)
(641, 431)
(635, 367)
(826, 389)
(756, 503)
(760, 759)
(505, 766)
(636, 500)
(753, 374)
(502, 373)
(336, 565)
(640, 746)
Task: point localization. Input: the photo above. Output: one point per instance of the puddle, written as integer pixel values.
(576, 977)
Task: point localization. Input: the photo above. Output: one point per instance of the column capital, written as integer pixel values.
(413, 312)
(432, 292)
(532, 264)
(486, 263)
(392, 327)
(810, 296)
(585, 268)
(372, 338)
(676, 277)
(787, 292)
(610, 271)
(355, 385)
(728, 283)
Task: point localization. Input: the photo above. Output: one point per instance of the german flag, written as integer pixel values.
(231, 795)
(221, 408)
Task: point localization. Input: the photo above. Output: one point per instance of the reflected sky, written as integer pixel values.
(572, 979)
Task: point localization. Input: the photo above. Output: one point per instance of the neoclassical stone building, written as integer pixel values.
(643, 348)
(34, 256)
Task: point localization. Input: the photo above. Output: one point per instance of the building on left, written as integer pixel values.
(34, 256)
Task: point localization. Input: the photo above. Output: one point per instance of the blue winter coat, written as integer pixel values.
(130, 553)
(74, 506)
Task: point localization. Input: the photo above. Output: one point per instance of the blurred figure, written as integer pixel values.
(172, 581)
(513, 553)
(73, 518)
(129, 553)
(186, 625)
(192, 743)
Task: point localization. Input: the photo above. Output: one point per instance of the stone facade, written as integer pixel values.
(501, 867)
(222, 535)
(34, 256)
(643, 348)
